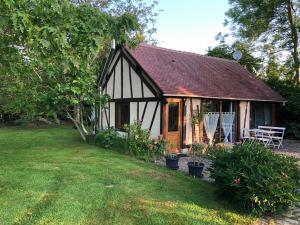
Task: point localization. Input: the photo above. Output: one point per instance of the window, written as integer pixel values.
(122, 114)
(173, 116)
(228, 106)
(210, 105)
(261, 114)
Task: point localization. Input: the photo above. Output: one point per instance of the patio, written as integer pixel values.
(291, 148)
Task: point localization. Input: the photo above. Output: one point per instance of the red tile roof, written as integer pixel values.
(179, 73)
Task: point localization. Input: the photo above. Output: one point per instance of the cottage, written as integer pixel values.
(162, 88)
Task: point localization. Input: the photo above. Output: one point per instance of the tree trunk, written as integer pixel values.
(77, 112)
(294, 37)
(78, 126)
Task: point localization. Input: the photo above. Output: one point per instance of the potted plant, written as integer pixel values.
(196, 167)
(171, 158)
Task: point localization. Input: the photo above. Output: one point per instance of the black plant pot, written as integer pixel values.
(195, 169)
(172, 162)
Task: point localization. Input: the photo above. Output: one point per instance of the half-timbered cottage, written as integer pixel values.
(162, 88)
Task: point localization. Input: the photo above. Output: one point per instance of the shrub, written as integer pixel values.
(291, 111)
(293, 130)
(140, 144)
(159, 147)
(106, 138)
(109, 138)
(255, 178)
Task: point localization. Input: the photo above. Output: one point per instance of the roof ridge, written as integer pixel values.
(185, 52)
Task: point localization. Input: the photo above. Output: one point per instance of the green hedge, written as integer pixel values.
(290, 113)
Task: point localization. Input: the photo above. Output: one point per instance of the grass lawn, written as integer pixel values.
(49, 176)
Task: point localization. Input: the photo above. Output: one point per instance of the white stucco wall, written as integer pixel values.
(147, 92)
(113, 61)
(155, 131)
(112, 114)
(137, 93)
(126, 80)
(118, 80)
(136, 85)
(133, 112)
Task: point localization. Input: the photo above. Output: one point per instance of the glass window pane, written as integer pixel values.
(261, 114)
(122, 114)
(268, 114)
(173, 116)
(211, 105)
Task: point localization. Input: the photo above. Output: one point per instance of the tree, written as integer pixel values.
(251, 63)
(274, 22)
(145, 12)
(55, 47)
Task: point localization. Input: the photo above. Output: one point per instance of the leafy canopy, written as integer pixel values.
(272, 22)
(251, 63)
(50, 53)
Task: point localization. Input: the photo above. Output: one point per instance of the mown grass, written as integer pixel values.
(49, 176)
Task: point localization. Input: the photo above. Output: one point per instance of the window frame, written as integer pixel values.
(264, 107)
(118, 119)
(169, 117)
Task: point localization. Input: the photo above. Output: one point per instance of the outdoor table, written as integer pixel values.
(262, 135)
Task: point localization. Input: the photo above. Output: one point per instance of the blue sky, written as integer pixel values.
(190, 25)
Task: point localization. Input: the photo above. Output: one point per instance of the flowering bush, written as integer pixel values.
(255, 178)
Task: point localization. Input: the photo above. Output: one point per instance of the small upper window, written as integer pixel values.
(122, 114)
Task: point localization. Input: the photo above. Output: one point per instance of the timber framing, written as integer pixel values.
(154, 114)
(133, 65)
(144, 111)
(150, 99)
(126, 81)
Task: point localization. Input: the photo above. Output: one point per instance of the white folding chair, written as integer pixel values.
(247, 136)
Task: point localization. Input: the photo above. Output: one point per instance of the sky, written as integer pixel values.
(190, 25)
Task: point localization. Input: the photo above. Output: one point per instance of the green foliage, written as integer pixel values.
(255, 178)
(110, 139)
(197, 148)
(252, 64)
(138, 140)
(49, 176)
(141, 146)
(106, 138)
(145, 12)
(196, 118)
(290, 113)
(158, 147)
(294, 130)
(273, 23)
(55, 47)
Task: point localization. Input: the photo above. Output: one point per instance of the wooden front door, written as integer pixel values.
(172, 124)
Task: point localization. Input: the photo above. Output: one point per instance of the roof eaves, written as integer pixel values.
(224, 98)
